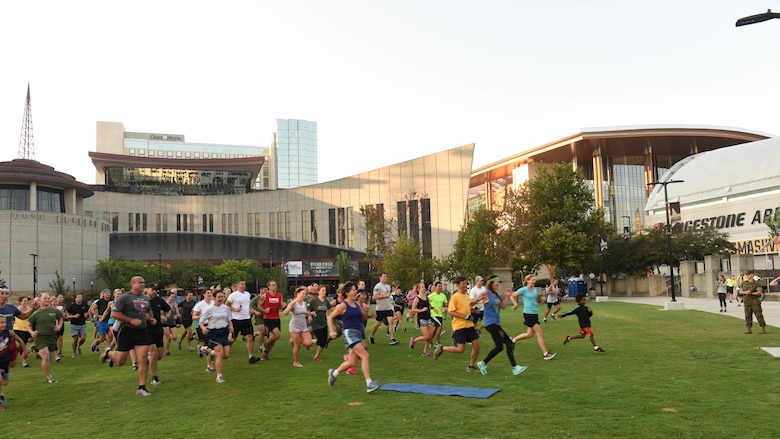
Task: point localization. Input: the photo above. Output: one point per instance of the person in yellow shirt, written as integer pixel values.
(463, 330)
(730, 284)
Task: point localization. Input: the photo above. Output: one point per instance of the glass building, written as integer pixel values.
(295, 145)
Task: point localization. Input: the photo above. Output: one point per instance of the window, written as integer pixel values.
(288, 225)
(414, 220)
(342, 229)
(129, 222)
(165, 222)
(132, 151)
(188, 155)
(170, 154)
(249, 224)
(272, 223)
(143, 222)
(151, 153)
(178, 222)
(211, 223)
(114, 221)
(427, 246)
(160, 153)
(350, 227)
(224, 223)
(280, 230)
(313, 226)
(332, 226)
(402, 227)
(141, 152)
(192, 223)
(205, 223)
(178, 154)
(257, 224)
(305, 224)
(159, 223)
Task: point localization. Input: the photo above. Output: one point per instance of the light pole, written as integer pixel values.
(74, 286)
(159, 269)
(668, 231)
(91, 288)
(35, 273)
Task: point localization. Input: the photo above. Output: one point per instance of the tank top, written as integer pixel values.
(424, 303)
(353, 317)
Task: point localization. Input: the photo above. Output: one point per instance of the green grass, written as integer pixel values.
(665, 374)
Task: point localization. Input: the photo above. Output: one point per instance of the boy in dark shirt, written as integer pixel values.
(583, 313)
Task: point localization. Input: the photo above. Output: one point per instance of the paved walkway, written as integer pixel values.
(771, 308)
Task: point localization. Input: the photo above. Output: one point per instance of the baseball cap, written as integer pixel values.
(478, 278)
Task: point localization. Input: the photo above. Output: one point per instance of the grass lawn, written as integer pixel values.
(664, 374)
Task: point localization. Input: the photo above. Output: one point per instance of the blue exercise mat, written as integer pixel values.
(427, 389)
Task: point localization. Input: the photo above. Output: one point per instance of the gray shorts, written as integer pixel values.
(76, 330)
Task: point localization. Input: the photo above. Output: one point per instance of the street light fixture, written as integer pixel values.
(35, 273)
(74, 286)
(758, 18)
(159, 269)
(668, 231)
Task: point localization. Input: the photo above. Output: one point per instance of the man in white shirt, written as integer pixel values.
(238, 301)
(474, 294)
(384, 309)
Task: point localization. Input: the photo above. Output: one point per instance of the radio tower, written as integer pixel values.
(26, 143)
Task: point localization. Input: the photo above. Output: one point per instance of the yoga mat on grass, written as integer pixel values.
(427, 389)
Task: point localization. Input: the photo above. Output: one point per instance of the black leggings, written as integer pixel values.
(722, 298)
(500, 339)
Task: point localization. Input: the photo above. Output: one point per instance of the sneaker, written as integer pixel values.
(471, 369)
(482, 367)
(425, 354)
(437, 352)
(331, 377)
(51, 380)
(266, 357)
(403, 329)
(549, 355)
(566, 340)
(412, 343)
(74, 356)
(371, 339)
(135, 366)
(517, 370)
(253, 360)
(25, 364)
(167, 353)
(210, 369)
(59, 357)
(544, 320)
(78, 351)
(387, 334)
(104, 356)
(553, 316)
(111, 364)
(201, 351)
(352, 371)
(179, 345)
(372, 385)
(297, 364)
(190, 349)
(2, 399)
(394, 341)
(219, 379)
(156, 381)
(599, 350)
(142, 392)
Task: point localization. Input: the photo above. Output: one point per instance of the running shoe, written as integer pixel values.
(351, 371)
(297, 364)
(549, 355)
(425, 354)
(437, 352)
(142, 392)
(412, 342)
(59, 357)
(51, 380)
(599, 351)
(167, 353)
(25, 364)
(201, 351)
(553, 316)
(210, 369)
(253, 360)
(372, 385)
(135, 366)
(104, 355)
(179, 344)
(266, 357)
(74, 356)
(544, 320)
(471, 369)
(78, 350)
(220, 380)
(394, 341)
(331, 377)
(567, 339)
(2, 399)
(156, 381)
(518, 369)
(482, 367)
(371, 339)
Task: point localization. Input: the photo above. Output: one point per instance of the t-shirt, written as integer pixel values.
(530, 297)
(437, 300)
(81, 310)
(240, 300)
(9, 312)
(44, 321)
(201, 308)
(493, 310)
(273, 302)
(321, 307)
(185, 308)
(583, 315)
(460, 304)
(158, 306)
(385, 304)
(132, 306)
(255, 306)
(102, 304)
(475, 293)
(217, 317)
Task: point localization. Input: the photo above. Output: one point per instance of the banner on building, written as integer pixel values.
(675, 217)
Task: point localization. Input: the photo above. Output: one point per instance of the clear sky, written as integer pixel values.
(386, 81)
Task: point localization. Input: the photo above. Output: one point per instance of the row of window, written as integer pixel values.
(17, 197)
(186, 154)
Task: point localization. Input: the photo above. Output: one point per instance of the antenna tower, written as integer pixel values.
(26, 142)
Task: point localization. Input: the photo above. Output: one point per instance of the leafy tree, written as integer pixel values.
(773, 222)
(184, 274)
(58, 285)
(694, 244)
(112, 273)
(2, 281)
(231, 271)
(404, 263)
(343, 267)
(277, 273)
(476, 251)
(379, 236)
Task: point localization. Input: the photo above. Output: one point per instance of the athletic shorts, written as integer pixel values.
(155, 336)
(61, 332)
(477, 315)
(102, 328)
(465, 335)
(46, 341)
(243, 327)
(424, 322)
(552, 304)
(24, 335)
(218, 337)
(76, 330)
(352, 337)
(259, 320)
(198, 331)
(381, 316)
(531, 320)
(186, 323)
(586, 331)
(4, 371)
(437, 321)
(271, 324)
(322, 337)
(128, 338)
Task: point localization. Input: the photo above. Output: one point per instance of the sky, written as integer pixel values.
(386, 81)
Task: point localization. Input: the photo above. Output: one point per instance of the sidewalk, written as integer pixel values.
(771, 308)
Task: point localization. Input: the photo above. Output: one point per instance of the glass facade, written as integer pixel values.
(160, 181)
(296, 153)
(14, 197)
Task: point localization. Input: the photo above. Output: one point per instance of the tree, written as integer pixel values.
(773, 222)
(405, 264)
(232, 271)
(552, 221)
(343, 267)
(58, 285)
(379, 236)
(2, 281)
(476, 251)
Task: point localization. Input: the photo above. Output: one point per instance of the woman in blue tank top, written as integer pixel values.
(352, 314)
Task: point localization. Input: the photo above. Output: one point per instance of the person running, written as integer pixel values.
(438, 301)
(256, 308)
(273, 324)
(101, 311)
(19, 331)
(410, 296)
(474, 294)
(299, 329)
(583, 314)
(463, 330)
(238, 301)
(722, 285)
(494, 303)
(133, 312)
(399, 306)
(531, 296)
(172, 320)
(185, 308)
(160, 312)
(44, 325)
(6, 342)
(352, 314)
(215, 324)
(59, 304)
(384, 309)
(319, 323)
(77, 313)
(200, 308)
(553, 299)
(421, 308)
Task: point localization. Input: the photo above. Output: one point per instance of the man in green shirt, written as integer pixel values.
(44, 325)
(751, 288)
(438, 301)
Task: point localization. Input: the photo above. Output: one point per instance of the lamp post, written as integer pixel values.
(629, 221)
(91, 288)
(74, 286)
(159, 268)
(668, 231)
(35, 273)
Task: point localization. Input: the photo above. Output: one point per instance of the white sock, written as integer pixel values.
(368, 381)
(595, 348)
(336, 373)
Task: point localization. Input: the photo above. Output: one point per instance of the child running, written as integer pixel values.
(583, 313)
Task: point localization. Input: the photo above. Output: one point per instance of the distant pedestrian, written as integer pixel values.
(583, 314)
(752, 290)
(730, 284)
(722, 285)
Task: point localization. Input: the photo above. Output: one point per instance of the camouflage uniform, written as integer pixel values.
(752, 303)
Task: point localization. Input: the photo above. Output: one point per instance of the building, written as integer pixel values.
(295, 147)
(617, 162)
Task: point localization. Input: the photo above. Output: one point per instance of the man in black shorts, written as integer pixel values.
(160, 312)
(185, 308)
(133, 311)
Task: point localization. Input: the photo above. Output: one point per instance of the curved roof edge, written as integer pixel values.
(25, 171)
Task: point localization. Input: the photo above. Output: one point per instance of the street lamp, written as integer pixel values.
(159, 268)
(35, 273)
(758, 18)
(668, 231)
(91, 288)
(74, 286)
